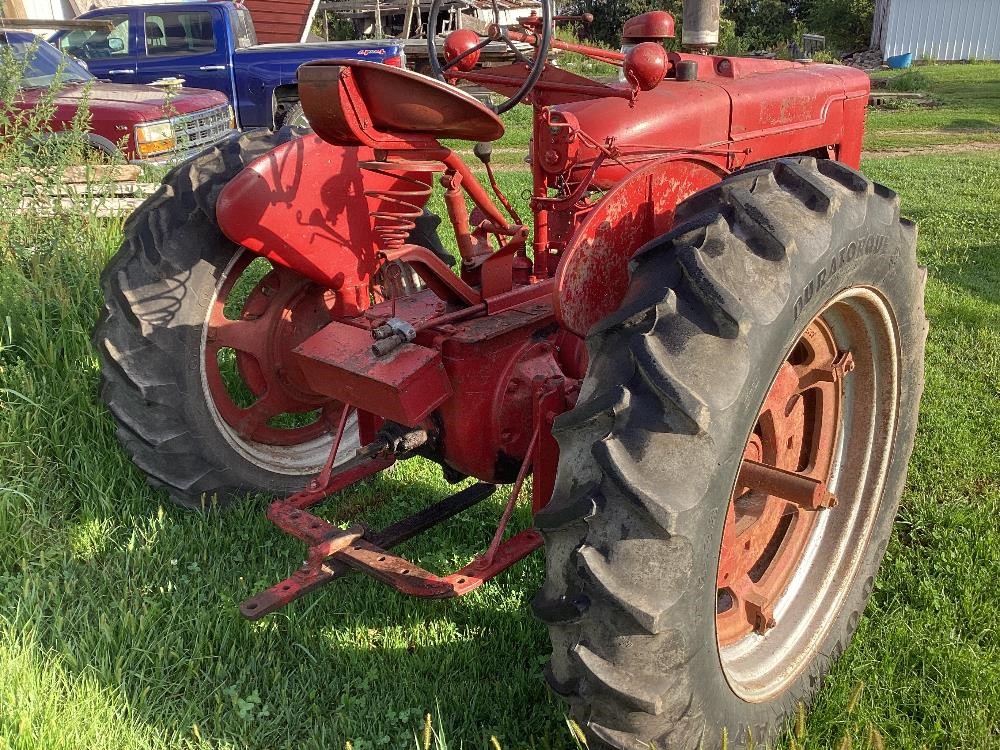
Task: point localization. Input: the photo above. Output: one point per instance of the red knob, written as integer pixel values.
(458, 42)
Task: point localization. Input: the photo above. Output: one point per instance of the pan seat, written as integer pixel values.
(356, 102)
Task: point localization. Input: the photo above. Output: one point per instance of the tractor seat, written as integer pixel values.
(395, 101)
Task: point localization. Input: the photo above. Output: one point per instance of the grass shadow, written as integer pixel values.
(969, 123)
(147, 606)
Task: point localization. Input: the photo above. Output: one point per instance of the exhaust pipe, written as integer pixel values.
(701, 25)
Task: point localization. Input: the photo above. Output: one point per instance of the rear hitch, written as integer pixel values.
(335, 552)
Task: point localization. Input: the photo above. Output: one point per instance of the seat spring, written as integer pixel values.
(398, 208)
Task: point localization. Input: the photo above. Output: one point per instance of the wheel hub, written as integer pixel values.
(782, 486)
(252, 377)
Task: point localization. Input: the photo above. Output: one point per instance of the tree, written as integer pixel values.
(846, 24)
(757, 24)
(762, 24)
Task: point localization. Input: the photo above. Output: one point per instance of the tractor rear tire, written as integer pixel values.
(159, 289)
(678, 379)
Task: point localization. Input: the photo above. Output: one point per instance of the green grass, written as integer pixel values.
(928, 650)
(968, 107)
(118, 619)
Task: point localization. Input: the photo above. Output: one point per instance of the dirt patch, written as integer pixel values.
(941, 148)
(941, 131)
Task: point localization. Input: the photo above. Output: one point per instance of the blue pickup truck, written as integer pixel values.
(211, 45)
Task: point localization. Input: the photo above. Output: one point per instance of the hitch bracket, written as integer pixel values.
(333, 553)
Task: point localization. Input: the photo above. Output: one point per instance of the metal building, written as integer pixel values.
(938, 29)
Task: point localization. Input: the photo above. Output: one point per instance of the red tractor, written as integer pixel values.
(705, 347)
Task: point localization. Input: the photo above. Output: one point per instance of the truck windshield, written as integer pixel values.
(40, 64)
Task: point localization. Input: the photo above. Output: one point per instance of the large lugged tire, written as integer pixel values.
(735, 327)
(160, 376)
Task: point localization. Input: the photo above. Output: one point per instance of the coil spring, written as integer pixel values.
(398, 207)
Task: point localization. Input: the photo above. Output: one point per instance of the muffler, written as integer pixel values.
(701, 25)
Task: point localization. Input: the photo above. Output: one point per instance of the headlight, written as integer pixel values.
(625, 49)
(155, 138)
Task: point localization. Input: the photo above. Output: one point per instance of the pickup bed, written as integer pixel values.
(211, 45)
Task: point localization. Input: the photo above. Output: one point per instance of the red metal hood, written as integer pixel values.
(132, 103)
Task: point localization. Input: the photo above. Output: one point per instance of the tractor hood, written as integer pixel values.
(752, 109)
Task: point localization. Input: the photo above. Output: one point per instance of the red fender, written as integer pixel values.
(303, 206)
(592, 276)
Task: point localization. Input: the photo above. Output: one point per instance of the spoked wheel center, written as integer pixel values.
(250, 373)
(807, 494)
(782, 485)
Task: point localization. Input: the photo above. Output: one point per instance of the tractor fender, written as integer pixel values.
(592, 276)
(307, 205)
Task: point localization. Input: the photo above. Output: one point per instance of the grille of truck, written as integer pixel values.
(202, 128)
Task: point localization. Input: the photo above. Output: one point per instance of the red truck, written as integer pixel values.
(142, 123)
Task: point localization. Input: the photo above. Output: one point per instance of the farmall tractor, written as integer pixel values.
(704, 346)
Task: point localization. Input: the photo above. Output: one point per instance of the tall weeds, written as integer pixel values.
(51, 252)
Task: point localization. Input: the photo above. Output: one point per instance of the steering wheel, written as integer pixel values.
(498, 32)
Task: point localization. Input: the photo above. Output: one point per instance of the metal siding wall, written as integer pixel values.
(944, 29)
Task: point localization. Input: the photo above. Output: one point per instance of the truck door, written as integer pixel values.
(109, 54)
(189, 44)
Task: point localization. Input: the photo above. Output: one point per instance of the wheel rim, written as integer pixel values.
(807, 495)
(298, 119)
(250, 380)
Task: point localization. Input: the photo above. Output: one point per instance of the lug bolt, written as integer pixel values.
(761, 612)
(764, 623)
(843, 364)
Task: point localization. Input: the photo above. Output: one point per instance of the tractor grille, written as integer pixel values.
(203, 128)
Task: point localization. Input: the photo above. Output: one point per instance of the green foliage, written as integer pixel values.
(26, 136)
(610, 16)
(337, 28)
(747, 25)
(825, 56)
(846, 24)
(762, 24)
(911, 80)
(730, 43)
(581, 64)
(967, 111)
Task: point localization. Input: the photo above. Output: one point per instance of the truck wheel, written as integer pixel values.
(295, 117)
(194, 343)
(728, 480)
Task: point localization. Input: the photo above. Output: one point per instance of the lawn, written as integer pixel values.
(118, 619)
(967, 111)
